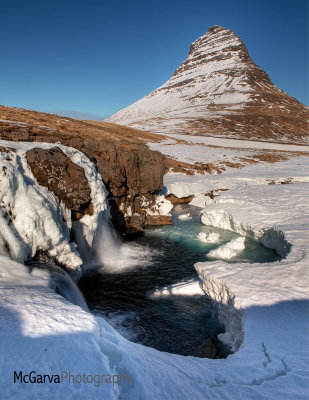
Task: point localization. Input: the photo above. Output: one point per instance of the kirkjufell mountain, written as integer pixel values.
(219, 91)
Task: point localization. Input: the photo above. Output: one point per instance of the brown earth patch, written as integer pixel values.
(191, 169)
(176, 200)
(3, 149)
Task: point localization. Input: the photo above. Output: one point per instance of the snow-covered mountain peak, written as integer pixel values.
(212, 56)
(219, 90)
(217, 44)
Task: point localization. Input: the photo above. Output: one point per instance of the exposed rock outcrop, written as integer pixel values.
(53, 169)
(218, 90)
(132, 173)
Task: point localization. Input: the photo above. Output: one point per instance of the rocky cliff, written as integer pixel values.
(132, 173)
(218, 90)
(56, 171)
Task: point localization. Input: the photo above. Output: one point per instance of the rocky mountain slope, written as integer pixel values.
(132, 173)
(219, 91)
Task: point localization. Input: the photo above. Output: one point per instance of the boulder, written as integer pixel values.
(56, 171)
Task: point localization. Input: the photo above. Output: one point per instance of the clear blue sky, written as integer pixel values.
(100, 56)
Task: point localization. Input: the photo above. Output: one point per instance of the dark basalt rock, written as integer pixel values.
(55, 170)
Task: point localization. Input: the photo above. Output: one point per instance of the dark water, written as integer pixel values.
(180, 324)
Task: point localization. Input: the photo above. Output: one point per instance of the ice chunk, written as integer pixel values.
(229, 250)
(184, 217)
(208, 238)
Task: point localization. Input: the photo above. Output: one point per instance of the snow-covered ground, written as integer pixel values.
(41, 331)
(263, 306)
(236, 144)
(207, 149)
(293, 170)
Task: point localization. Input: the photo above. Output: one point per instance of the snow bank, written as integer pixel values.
(41, 331)
(228, 250)
(256, 284)
(208, 238)
(230, 313)
(185, 187)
